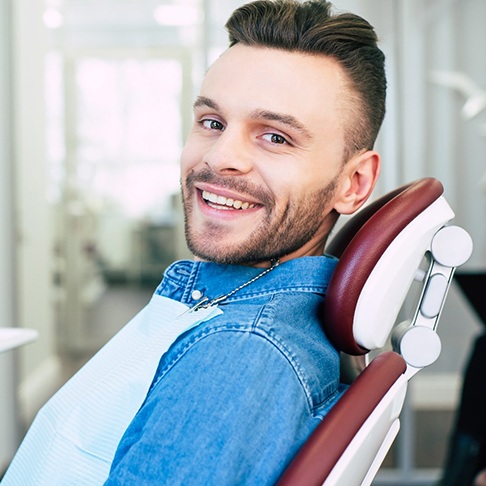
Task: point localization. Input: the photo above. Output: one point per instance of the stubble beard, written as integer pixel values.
(278, 235)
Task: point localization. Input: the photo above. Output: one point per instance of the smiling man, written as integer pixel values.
(276, 153)
(282, 144)
(263, 170)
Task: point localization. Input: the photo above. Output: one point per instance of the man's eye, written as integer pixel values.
(274, 138)
(212, 124)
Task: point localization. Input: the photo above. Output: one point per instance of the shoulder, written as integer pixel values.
(293, 322)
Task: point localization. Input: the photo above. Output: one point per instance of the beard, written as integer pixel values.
(279, 234)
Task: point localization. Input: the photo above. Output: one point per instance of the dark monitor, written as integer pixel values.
(473, 286)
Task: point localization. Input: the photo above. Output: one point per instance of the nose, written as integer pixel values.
(230, 153)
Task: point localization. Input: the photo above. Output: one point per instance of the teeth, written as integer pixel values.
(222, 201)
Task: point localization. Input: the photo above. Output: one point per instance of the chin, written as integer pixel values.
(213, 254)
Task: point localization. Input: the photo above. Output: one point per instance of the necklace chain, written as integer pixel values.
(205, 302)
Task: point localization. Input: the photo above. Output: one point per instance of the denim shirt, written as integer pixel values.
(234, 398)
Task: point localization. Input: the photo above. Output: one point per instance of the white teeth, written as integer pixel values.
(223, 201)
(213, 198)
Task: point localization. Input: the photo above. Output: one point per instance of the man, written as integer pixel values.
(282, 143)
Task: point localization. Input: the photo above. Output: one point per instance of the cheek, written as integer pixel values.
(189, 156)
(299, 188)
(194, 152)
(288, 183)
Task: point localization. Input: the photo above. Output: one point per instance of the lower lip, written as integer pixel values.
(223, 213)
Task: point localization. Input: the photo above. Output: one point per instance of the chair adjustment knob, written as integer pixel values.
(419, 346)
(451, 246)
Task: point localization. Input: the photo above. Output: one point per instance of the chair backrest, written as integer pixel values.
(381, 251)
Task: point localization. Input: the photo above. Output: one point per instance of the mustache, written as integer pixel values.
(233, 183)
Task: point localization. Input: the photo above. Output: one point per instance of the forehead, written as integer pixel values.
(309, 87)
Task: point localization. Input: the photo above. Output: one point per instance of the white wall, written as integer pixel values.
(9, 434)
(39, 365)
(24, 220)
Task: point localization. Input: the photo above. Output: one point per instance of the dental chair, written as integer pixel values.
(401, 238)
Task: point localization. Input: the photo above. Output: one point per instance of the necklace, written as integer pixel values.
(205, 302)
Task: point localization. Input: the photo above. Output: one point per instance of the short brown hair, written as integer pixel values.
(311, 27)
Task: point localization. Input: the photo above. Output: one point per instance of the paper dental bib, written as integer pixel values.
(75, 435)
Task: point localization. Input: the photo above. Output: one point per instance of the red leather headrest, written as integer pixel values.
(359, 245)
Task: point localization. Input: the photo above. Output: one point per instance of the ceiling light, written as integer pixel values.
(52, 18)
(176, 15)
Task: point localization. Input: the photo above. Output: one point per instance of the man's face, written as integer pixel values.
(262, 163)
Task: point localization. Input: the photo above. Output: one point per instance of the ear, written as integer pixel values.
(357, 182)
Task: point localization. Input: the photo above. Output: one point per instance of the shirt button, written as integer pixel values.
(196, 295)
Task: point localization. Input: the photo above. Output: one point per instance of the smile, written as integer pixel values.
(224, 203)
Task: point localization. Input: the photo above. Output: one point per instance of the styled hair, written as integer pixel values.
(311, 27)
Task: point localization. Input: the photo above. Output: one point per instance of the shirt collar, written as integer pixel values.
(211, 280)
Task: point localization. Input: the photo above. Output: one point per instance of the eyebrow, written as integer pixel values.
(285, 119)
(203, 101)
(261, 114)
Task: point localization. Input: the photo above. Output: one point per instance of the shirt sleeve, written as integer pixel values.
(231, 410)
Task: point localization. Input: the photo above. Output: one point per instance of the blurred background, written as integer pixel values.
(95, 104)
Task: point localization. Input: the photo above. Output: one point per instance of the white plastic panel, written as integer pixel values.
(367, 446)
